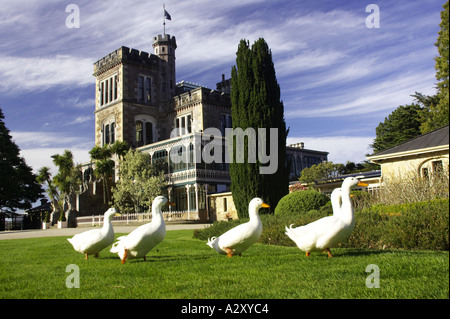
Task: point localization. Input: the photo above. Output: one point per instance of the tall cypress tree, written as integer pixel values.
(255, 99)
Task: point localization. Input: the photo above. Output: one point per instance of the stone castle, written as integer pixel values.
(138, 100)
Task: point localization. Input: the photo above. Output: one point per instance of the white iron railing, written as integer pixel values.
(96, 220)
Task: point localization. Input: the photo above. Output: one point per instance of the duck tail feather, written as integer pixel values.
(211, 241)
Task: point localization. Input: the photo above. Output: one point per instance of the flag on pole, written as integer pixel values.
(167, 15)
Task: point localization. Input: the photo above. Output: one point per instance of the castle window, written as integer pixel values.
(148, 132)
(144, 89)
(141, 88)
(101, 93)
(144, 130)
(108, 90)
(108, 132)
(116, 80)
(139, 134)
(183, 124)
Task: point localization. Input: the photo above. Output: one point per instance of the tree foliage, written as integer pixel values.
(401, 125)
(255, 100)
(321, 172)
(18, 186)
(139, 183)
(105, 165)
(435, 113)
(45, 177)
(67, 180)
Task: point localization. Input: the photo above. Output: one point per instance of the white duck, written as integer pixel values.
(328, 231)
(240, 238)
(336, 197)
(141, 240)
(93, 241)
(336, 201)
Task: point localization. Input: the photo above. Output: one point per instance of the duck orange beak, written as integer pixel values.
(264, 205)
(170, 203)
(362, 184)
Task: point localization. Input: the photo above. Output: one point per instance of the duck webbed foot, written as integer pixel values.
(229, 252)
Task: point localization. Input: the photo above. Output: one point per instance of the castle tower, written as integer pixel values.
(134, 94)
(164, 47)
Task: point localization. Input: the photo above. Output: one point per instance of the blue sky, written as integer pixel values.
(338, 78)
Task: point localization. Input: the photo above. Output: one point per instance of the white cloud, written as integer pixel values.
(81, 119)
(27, 140)
(38, 147)
(381, 96)
(39, 73)
(37, 158)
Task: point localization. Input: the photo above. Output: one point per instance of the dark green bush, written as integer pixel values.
(301, 202)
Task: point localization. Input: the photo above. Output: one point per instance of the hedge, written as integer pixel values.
(423, 225)
(300, 202)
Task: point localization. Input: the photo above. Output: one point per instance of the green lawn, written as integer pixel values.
(183, 267)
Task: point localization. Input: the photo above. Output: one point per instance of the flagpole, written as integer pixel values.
(164, 20)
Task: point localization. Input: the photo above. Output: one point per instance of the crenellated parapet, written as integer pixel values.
(167, 39)
(127, 55)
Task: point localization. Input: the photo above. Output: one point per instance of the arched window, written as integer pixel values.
(108, 131)
(148, 132)
(139, 134)
(145, 130)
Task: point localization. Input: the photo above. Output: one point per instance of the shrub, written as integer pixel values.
(412, 188)
(422, 225)
(300, 202)
(361, 200)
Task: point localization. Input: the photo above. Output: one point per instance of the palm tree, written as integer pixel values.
(44, 176)
(68, 178)
(104, 165)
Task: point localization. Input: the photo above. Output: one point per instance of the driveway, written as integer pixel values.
(34, 233)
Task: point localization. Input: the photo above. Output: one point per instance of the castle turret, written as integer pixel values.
(164, 47)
